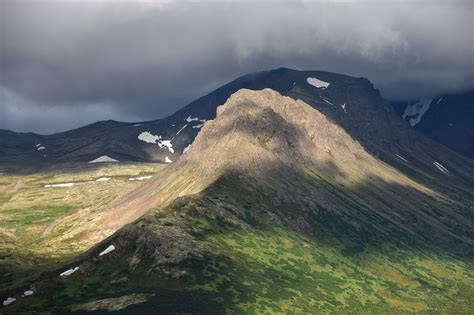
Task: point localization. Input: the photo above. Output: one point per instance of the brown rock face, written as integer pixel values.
(254, 131)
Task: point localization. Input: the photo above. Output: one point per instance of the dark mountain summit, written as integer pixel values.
(447, 119)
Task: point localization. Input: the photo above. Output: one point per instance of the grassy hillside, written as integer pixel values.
(41, 226)
(226, 264)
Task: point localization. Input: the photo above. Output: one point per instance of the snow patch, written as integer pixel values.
(167, 160)
(167, 144)
(317, 83)
(187, 148)
(439, 101)
(441, 167)
(401, 158)
(8, 301)
(343, 106)
(28, 293)
(103, 159)
(107, 250)
(69, 272)
(327, 101)
(60, 185)
(137, 125)
(102, 179)
(190, 119)
(418, 109)
(41, 148)
(143, 177)
(198, 126)
(147, 137)
(182, 128)
(38, 145)
(140, 178)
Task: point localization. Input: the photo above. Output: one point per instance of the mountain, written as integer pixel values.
(352, 103)
(121, 141)
(448, 119)
(277, 208)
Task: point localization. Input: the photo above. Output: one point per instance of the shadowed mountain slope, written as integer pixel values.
(275, 208)
(448, 119)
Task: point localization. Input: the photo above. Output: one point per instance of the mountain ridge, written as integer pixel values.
(120, 140)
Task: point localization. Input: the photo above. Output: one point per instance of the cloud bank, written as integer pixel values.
(67, 63)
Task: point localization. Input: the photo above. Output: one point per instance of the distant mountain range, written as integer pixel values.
(448, 119)
(350, 102)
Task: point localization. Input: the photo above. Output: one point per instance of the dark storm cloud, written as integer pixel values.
(67, 63)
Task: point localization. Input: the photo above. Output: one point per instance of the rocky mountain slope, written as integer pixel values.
(276, 207)
(447, 119)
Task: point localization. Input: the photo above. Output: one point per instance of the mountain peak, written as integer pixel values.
(265, 127)
(254, 133)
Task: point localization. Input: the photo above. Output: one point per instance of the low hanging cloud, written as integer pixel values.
(65, 63)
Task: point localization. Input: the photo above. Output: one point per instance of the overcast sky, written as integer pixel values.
(66, 63)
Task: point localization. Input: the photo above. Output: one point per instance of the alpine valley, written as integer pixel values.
(282, 191)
